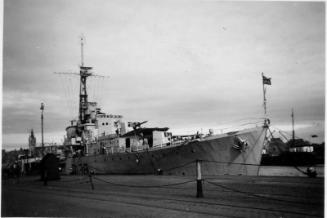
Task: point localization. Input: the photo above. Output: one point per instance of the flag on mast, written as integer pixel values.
(266, 80)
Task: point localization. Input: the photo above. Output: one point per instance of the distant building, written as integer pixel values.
(299, 145)
(31, 143)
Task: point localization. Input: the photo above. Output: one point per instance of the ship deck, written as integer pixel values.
(164, 196)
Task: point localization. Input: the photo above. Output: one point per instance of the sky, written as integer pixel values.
(187, 65)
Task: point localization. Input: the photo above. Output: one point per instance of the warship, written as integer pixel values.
(106, 144)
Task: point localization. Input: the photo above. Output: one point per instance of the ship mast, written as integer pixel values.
(82, 51)
(84, 115)
(83, 101)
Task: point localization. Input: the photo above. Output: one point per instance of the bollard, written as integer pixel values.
(199, 191)
(91, 181)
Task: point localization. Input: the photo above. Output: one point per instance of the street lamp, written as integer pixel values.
(42, 109)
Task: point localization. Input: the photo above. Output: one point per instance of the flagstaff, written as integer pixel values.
(264, 96)
(265, 81)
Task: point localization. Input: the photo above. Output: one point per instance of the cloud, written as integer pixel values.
(171, 63)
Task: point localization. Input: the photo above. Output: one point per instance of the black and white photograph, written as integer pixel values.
(184, 108)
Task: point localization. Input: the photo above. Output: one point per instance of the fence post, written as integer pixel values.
(199, 192)
(91, 181)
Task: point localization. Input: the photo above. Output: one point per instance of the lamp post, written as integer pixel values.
(42, 109)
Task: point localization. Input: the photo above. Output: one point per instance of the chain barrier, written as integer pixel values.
(91, 176)
(165, 170)
(143, 186)
(135, 186)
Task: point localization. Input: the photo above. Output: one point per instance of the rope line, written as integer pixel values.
(141, 186)
(240, 125)
(285, 132)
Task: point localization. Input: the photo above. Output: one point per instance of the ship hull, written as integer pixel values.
(217, 154)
